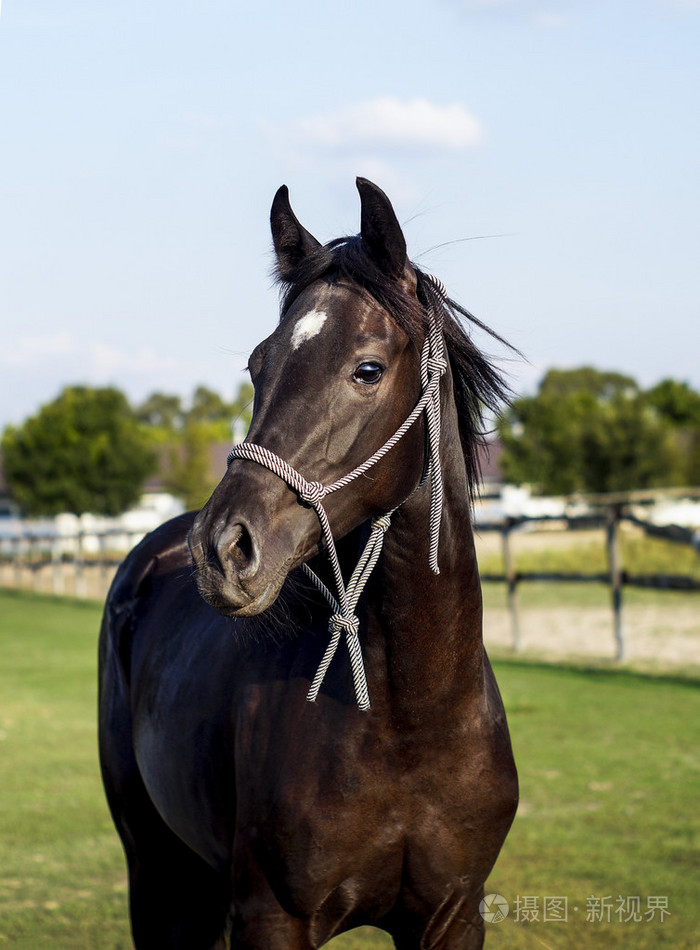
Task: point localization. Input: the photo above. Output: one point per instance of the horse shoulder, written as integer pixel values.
(161, 550)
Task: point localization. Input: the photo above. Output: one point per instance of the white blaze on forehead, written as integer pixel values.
(308, 327)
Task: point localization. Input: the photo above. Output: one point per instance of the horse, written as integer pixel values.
(300, 730)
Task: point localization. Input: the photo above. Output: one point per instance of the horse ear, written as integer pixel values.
(380, 230)
(292, 241)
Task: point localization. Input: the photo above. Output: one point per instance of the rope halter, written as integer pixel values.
(344, 621)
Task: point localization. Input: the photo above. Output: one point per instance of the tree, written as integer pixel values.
(85, 451)
(208, 406)
(242, 410)
(680, 406)
(186, 436)
(586, 430)
(677, 402)
(188, 476)
(162, 411)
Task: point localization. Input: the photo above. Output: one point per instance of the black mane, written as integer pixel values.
(478, 385)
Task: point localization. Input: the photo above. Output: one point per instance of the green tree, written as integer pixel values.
(679, 404)
(167, 417)
(587, 430)
(187, 434)
(162, 411)
(85, 451)
(242, 410)
(208, 406)
(188, 476)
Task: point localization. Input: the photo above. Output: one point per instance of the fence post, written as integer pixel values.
(18, 561)
(511, 583)
(34, 560)
(56, 562)
(80, 582)
(102, 555)
(615, 569)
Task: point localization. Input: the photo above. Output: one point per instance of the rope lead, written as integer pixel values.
(344, 620)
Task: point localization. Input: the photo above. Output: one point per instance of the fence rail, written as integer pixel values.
(616, 576)
(83, 563)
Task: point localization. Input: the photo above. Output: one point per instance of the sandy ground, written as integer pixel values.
(662, 635)
(658, 636)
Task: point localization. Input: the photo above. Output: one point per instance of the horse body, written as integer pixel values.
(234, 796)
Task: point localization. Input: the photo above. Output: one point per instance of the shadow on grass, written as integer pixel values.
(602, 670)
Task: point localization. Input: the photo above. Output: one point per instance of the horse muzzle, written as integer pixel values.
(240, 569)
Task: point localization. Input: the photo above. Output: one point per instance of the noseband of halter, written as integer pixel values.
(433, 364)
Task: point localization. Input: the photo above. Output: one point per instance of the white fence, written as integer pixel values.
(76, 555)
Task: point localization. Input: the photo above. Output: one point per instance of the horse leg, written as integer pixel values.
(259, 921)
(456, 924)
(269, 930)
(177, 901)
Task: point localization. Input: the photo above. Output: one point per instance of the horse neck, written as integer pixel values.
(432, 624)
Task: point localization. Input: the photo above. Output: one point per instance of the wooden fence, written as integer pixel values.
(81, 564)
(84, 563)
(616, 577)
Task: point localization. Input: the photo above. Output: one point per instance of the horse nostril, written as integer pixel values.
(240, 549)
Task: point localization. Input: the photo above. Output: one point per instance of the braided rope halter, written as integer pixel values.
(433, 365)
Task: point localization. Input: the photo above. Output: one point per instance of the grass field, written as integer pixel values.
(609, 764)
(584, 552)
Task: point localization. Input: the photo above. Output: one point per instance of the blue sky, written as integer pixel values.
(141, 144)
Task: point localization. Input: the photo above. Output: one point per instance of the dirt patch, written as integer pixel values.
(663, 635)
(654, 636)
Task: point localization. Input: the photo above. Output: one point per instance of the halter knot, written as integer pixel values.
(312, 493)
(383, 522)
(437, 364)
(341, 623)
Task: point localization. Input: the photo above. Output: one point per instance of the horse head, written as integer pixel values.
(333, 382)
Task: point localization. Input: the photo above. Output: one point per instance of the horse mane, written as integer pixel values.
(478, 385)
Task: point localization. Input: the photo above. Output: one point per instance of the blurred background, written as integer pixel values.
(544, 161)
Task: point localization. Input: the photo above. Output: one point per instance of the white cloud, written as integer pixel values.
(379, 138)
(108, 361)
(86, 359)
(387, 122)
(36, 351)
(34, 369)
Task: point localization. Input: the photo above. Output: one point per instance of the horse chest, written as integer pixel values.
(349, 815)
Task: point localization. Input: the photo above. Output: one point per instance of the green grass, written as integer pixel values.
(62, 880)
(609, 768)
(585, 553)
(536, 594)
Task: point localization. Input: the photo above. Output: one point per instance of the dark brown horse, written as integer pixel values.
(247, 812)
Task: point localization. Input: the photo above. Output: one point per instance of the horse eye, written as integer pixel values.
(368, 373)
